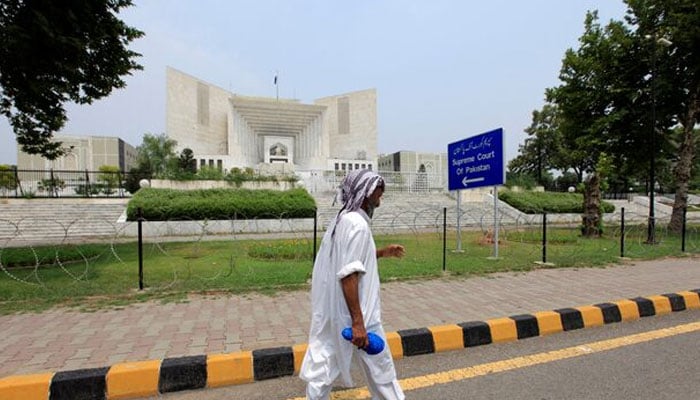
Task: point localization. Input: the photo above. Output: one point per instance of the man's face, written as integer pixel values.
(375, 198)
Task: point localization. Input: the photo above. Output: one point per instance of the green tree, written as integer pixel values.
(592, 203)
(542, 150)
(626, 87)
(186, 162)
(676, 72)
(54, 52)
(157, 155)
(110, 176)
(590, 113)
(694, 185)
(667, 169)
(7, 179)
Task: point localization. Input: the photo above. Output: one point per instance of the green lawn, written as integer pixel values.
(96, 276)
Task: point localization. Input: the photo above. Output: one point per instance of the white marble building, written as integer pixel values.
(419, 171)
(227, 130)
(82, 153)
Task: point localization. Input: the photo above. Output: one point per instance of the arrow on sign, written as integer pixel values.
(466, 181)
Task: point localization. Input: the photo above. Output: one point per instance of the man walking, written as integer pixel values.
(345, 292)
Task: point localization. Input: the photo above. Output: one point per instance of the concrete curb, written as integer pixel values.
(153, 377)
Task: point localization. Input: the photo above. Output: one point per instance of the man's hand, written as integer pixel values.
(359, 336)
(392, 250)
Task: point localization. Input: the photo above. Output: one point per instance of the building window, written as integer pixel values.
(211, 163)
(220, 165)
(357, 166)
(364, 166)
(202, 163)
(343, 166)
(369, 167)
(336, 166)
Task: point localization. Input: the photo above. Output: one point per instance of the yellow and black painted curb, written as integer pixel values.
(150, 378)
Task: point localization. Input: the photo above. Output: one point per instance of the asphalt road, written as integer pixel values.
(651, 358)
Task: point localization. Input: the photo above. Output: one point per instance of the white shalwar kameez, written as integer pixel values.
(329, 356)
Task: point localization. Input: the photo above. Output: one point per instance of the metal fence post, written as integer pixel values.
(17, 185)
(685, 211)
(121, 187)
(139, 215)
(87, 184)
(622, 232)
(444, 238)
(544, 238)
(52, 185)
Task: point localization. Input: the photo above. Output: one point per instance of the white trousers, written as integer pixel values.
(378, 391)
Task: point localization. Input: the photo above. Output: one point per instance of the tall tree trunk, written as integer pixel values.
(685, 163)
(592, 215)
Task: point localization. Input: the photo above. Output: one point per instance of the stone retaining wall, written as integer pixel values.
(206, 184)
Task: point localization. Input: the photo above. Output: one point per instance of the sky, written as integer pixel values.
(443, 70)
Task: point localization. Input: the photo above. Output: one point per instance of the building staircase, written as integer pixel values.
(59, 220)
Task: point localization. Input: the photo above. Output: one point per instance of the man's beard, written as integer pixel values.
(370, 209)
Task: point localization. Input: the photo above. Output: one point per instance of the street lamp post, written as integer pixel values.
(651, 227)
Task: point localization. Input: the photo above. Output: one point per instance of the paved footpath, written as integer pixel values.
(61, 340)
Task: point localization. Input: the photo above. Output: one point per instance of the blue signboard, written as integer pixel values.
(476, 161)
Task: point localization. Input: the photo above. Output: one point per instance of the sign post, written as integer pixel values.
(475, 162)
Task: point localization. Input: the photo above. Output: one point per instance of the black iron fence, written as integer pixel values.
(223, 254)
(26, 183)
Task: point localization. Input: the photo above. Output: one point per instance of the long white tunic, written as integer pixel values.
(329, 356)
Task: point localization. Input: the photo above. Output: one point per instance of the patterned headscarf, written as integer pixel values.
(355, 188)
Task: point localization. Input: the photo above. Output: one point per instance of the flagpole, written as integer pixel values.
(277, 88)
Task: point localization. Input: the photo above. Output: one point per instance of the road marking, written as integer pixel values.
(420, 382)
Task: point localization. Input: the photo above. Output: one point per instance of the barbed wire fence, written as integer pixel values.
(73, 250)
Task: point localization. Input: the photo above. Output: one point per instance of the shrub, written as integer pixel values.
(209, 173)
(167, 204)
(550, 202)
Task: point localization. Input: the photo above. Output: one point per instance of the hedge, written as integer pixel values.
(213, 204)
(550, 202)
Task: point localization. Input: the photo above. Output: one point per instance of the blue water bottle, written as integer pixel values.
(375, 343)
